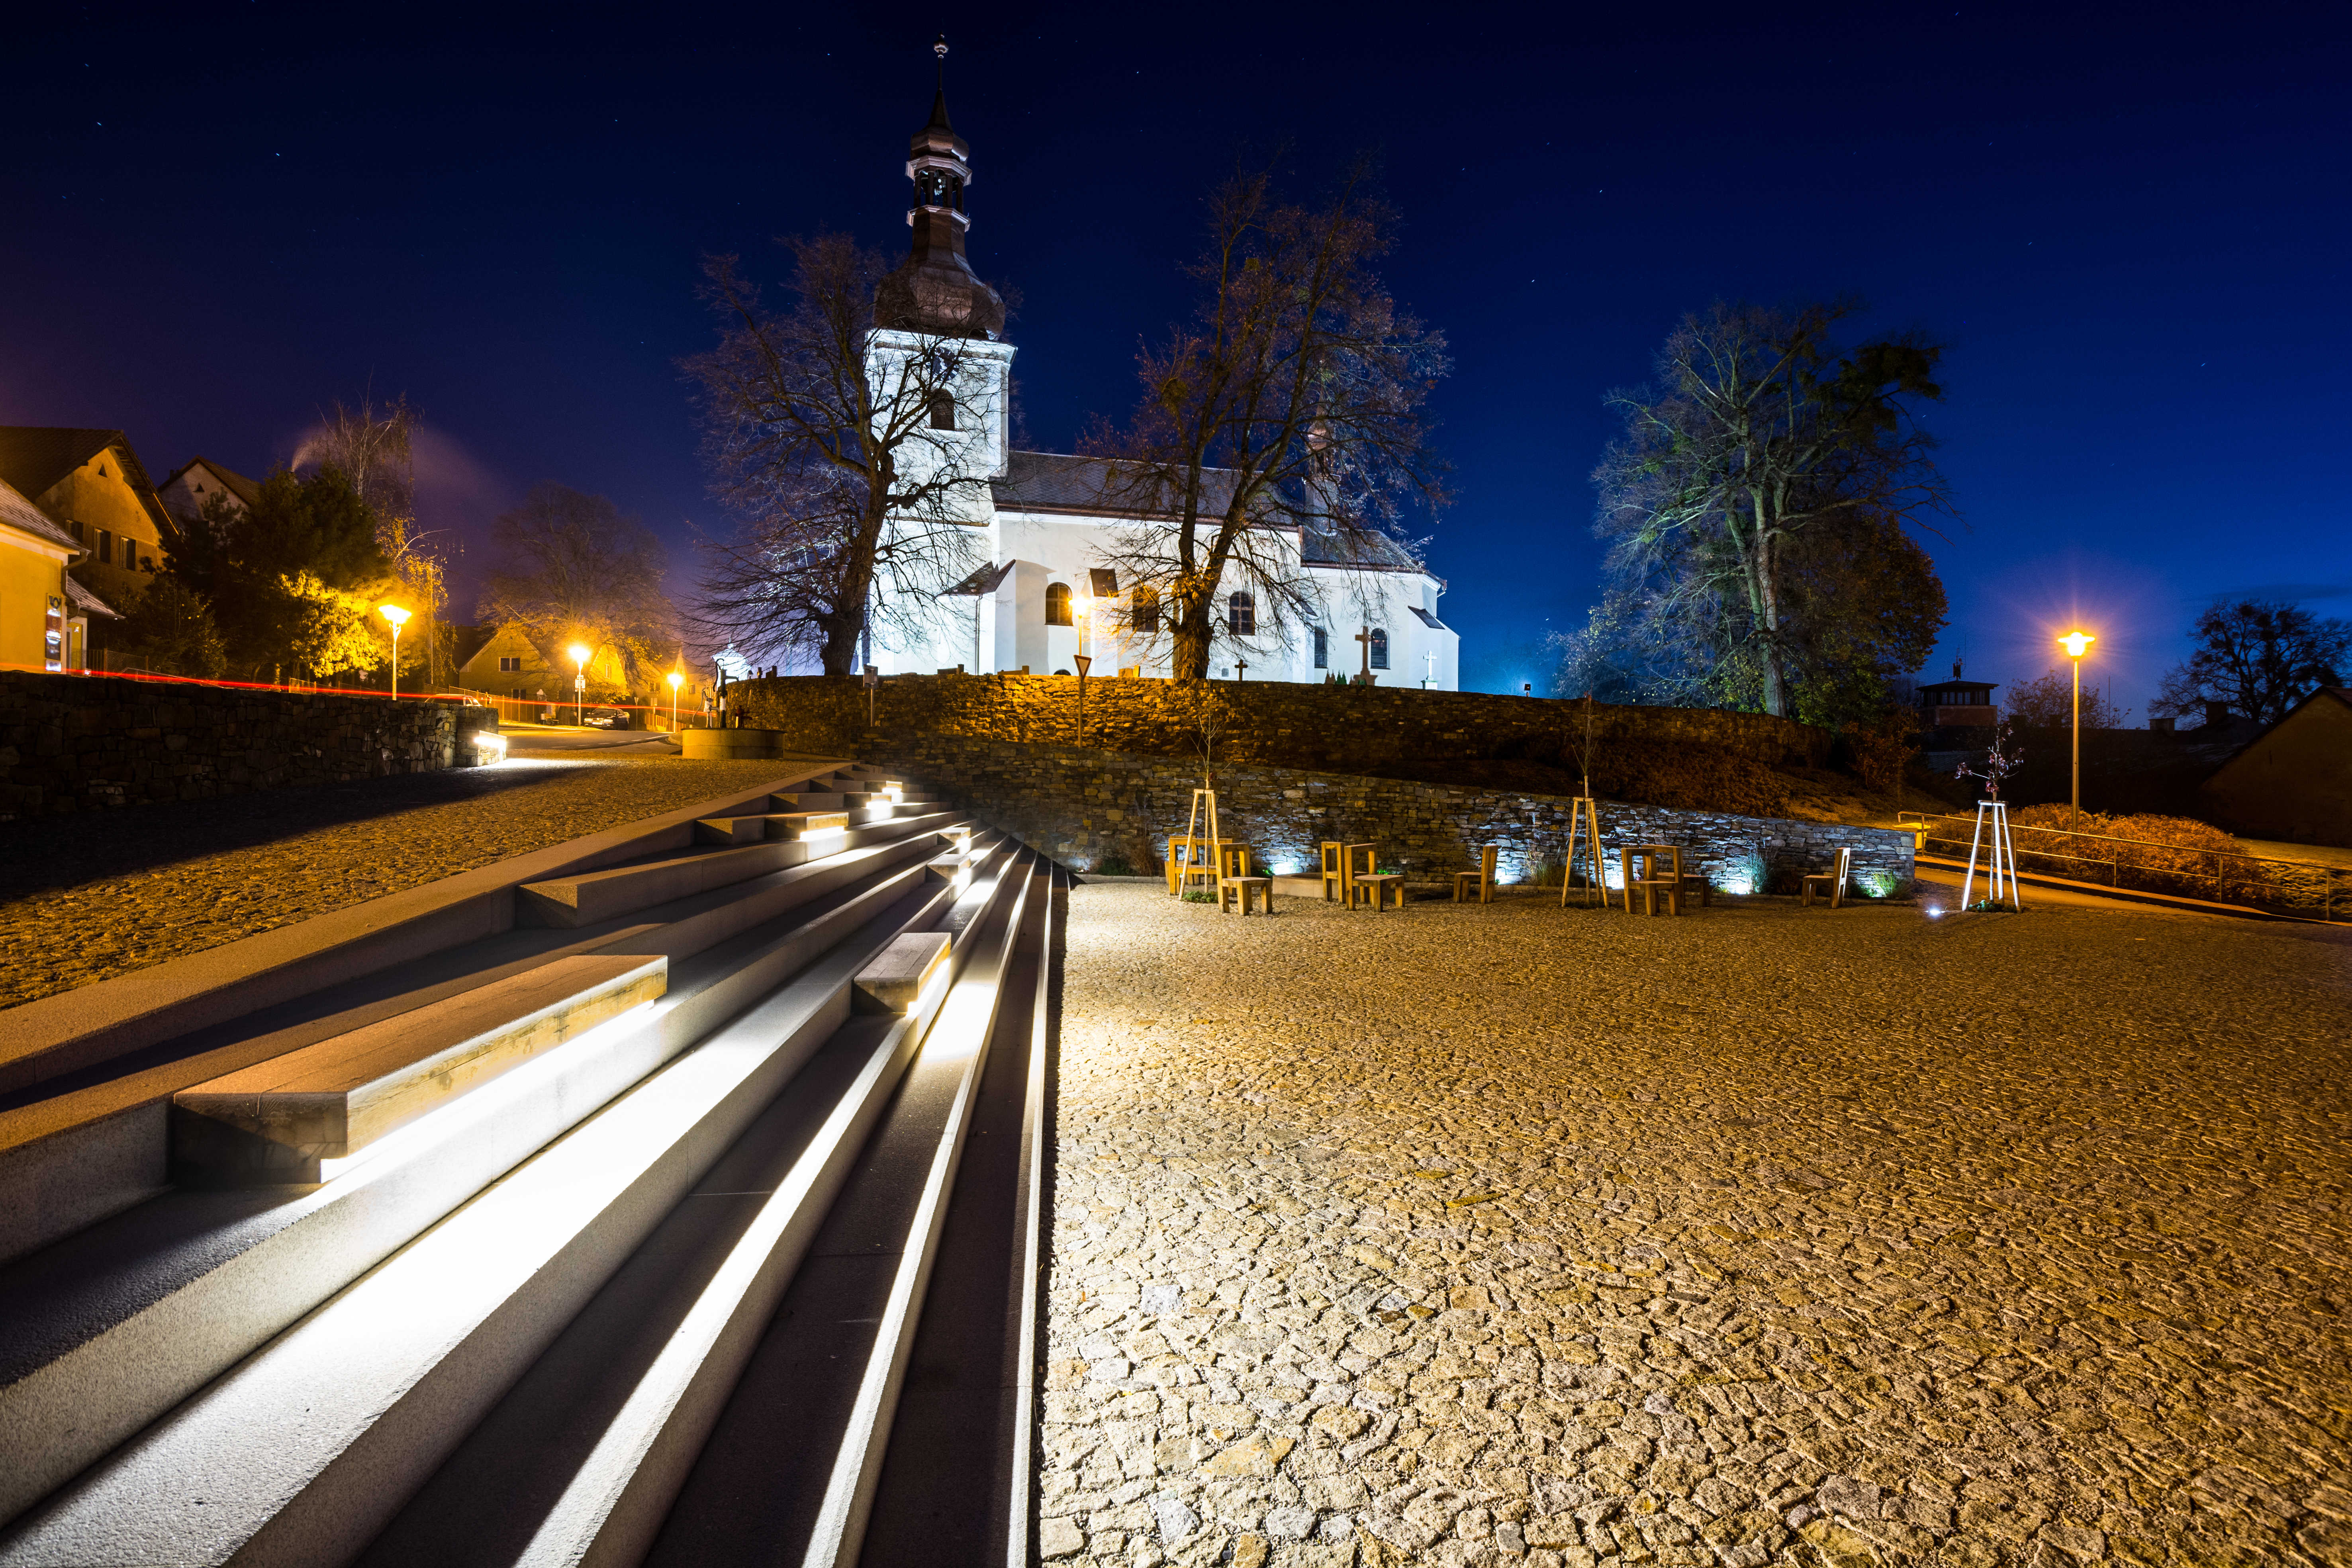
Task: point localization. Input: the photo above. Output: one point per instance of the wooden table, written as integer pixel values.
(1652, 881)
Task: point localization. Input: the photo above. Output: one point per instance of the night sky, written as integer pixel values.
(2129, 223)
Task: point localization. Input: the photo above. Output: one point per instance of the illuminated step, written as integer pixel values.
(902, 972)
(291, 1118)
(784, 825)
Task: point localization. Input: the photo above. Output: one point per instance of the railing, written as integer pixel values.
(2306, 890)
(554, 711)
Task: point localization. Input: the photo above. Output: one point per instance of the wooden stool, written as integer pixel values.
(1483, 879)
(1239, 889)
(1378, 886)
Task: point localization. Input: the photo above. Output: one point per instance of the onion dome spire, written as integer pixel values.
(935, 290)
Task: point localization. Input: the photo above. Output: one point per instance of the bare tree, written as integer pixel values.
(572, 568)
(1295, 404)
(1756, 436)
(847, 456)
(372, 444)
(2261, 656)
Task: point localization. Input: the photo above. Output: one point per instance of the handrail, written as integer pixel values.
(2255, 882)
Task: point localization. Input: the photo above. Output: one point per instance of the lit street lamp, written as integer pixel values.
(675, 677)
(578, 683)
(399, 618)
(2076, 644)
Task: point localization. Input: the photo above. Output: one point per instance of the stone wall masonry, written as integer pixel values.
(1343, 729)
(1083, 806)
(84, 743)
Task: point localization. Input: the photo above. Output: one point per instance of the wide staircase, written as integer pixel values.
(686, 1209)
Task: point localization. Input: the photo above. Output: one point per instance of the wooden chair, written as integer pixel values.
(1234, 882)
(1481, 879)
(1198, 861)
(1356, 861)
(1334, 870)
(1833, 882)
(1696, 880)
(1652, 882)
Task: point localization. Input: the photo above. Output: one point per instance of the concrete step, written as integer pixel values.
(302, 1453)
(281, 1120)
(582, 1461)
(105, 1331)
(808, 825)
(72, 1158)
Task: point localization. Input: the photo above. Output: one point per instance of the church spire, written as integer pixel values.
(934, 289)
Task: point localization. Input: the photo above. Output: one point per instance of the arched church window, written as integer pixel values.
(1057, 604)
(943, 411)
(1380, 649)
(1322, 649)
(1242, 610)
(1144, 614)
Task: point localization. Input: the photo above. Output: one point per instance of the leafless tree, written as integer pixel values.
(1755, 434)
(1294, 403)
(848, 460)
(2259, 656)
(372, 444)
(572, 568)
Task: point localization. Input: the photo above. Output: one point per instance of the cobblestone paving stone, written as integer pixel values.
(1516, 1235)
(92, 896)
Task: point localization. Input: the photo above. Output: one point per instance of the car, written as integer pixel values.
(605, 719)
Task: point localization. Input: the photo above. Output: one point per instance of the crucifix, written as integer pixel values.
(1365, 637)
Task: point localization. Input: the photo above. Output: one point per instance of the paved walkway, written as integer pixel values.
(97, 894)
(1512, 1235)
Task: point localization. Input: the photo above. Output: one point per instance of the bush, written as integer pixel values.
(2171, 854)
(1113, 865)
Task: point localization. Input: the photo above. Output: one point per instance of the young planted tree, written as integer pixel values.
(2261, 656)
(1294, 402)
(1756, 510)
(573, 569)
(847, 457)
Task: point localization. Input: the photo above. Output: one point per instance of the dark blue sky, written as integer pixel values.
(2129, 223)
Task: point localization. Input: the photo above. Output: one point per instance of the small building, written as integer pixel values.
(500, 661)
(90, 484)
(1957, 703)
(2293, 781)
(201, 480)
(44, 612)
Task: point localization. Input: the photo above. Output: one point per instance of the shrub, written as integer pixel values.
(2169, 854)
(1113, 865)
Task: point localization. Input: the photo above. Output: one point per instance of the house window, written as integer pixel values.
(1145, 616)
(1242, 610)
(943, 411)
(1057, 604)
(1322, 649)
(509, 664)
(106, 546)
(1380, 649)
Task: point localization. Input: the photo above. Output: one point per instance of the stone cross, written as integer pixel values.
(1365, 637)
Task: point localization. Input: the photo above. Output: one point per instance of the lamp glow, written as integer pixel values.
(2076, 644)
(399, 618)
(676, 678)
(579, 652)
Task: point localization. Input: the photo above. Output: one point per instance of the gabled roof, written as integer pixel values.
(35, 456)
(20, 513)
(244, 489)
(1096, 487)
(1358, 549)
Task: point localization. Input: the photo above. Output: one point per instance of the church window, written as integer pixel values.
(943, 411)
(1145, 615)
(1380, 649)
(1322, 649)
(1243, 611)
(1057, 604)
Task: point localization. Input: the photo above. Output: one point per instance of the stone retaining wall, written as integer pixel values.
(1083, 806)
(1344, 728)
(82, 742)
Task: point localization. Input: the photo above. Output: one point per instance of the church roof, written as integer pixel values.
(1363, 548)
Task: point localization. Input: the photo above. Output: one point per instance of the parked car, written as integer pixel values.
(605, 719)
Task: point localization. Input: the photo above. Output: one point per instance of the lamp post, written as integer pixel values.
(399, 618)
(2076, 644)
(1085, 662)
(676, 679)
(579, 653)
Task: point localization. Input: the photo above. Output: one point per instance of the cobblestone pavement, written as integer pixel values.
(92, 896)
(1515, 1235)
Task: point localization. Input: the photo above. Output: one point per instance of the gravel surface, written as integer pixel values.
(89, 897)
(1527, 1236)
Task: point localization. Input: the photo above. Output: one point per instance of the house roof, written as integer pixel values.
(471, 640)
(1361, 549)
(35, 456)
(20, 513)
(244, 489)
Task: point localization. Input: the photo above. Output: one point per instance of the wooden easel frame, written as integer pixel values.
(1203, 801)
(2000, 856)
(1584, 821)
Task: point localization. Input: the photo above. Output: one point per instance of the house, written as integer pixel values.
(1040, 591)
(90, 484)
(44, 612)
(500, 661)
(2293, 781)
(201, 480)
(1957, 703)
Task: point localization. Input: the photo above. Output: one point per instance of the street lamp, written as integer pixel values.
(399, 618)
(674, 679)
(2076, 644)
(579, 652)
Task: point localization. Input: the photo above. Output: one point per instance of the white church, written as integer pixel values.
(1042, 595)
